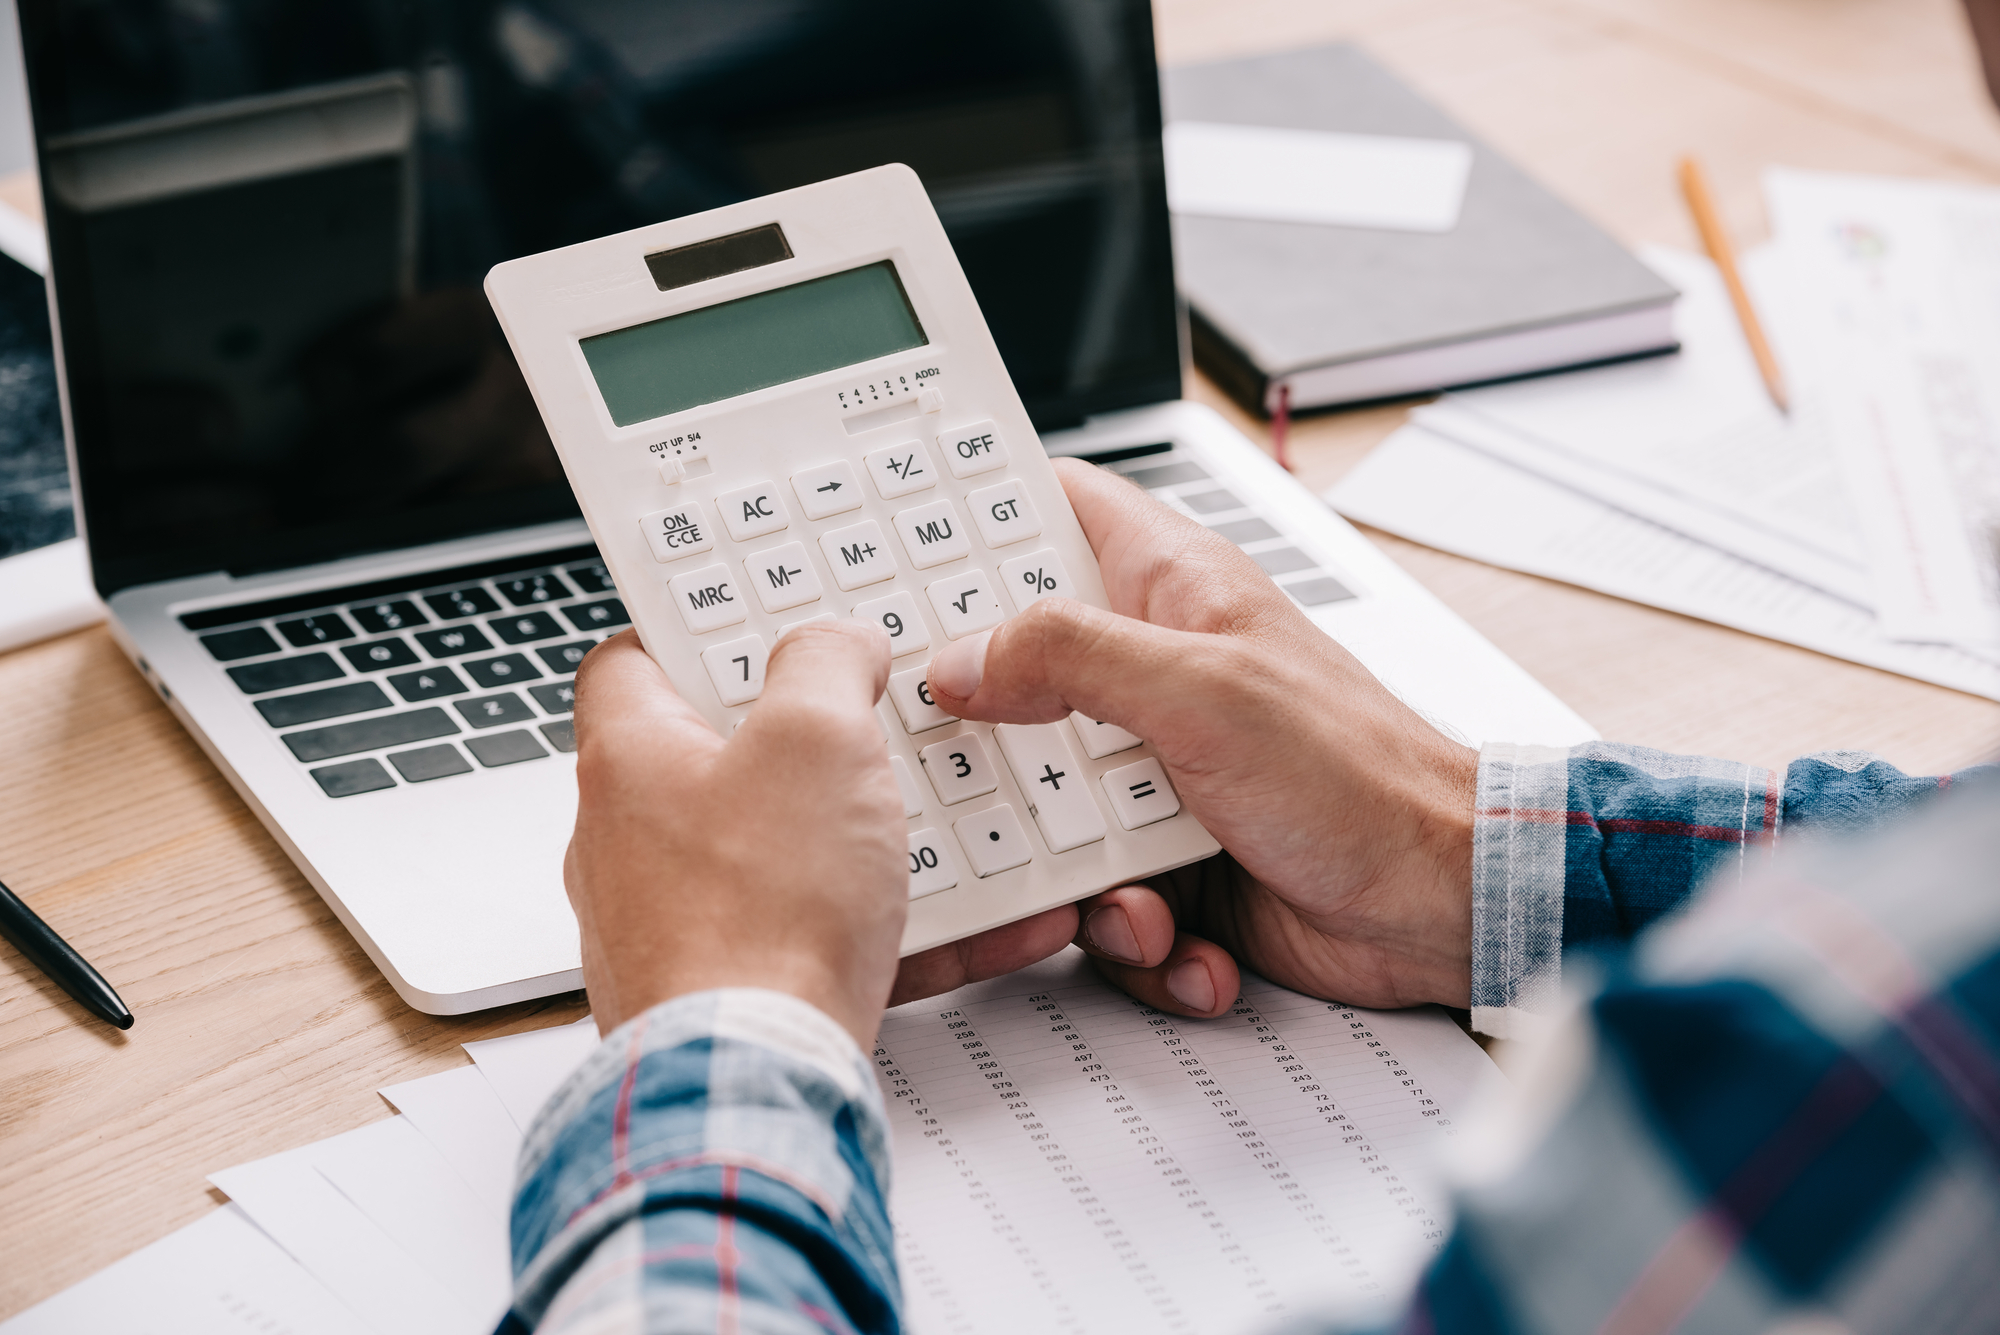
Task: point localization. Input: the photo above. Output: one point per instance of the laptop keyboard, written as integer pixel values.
(391, 683)
(433, 677)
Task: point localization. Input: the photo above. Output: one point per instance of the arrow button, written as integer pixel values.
(827, 489)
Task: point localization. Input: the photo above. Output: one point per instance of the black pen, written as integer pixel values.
(53, 956)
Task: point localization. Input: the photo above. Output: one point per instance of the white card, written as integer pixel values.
(1314, 176)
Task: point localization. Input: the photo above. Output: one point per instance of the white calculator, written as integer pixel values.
(790, 410)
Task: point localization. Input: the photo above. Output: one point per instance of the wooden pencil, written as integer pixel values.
(1701, 203)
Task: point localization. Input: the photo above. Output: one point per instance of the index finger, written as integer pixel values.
(622, 693)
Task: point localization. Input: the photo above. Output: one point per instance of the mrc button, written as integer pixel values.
(973, 449)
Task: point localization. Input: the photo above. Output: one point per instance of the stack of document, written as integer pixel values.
(1062, 1157)
(1861, 526)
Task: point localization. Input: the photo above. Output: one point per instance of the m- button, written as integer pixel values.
(783, 577)
(974, 449)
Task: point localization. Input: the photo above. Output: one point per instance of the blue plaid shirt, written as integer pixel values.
(1782, 1109)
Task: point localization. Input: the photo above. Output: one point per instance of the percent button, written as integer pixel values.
(1035, 576)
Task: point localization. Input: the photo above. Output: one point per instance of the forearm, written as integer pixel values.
(719, 1163)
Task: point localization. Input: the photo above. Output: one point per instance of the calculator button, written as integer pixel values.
(898, 615)
(899, 470)
(752, 511)
(858, 555)
(1100, 739)
(829, 489)
(994, 841)
(737, 668)
(932, 867)
(1140, 794)
(974, 449)
(1004, 514)
(1036, 576)
(707, 599)
(959, 768)
(913, 796)
(911, 692)
(965, 604)
(677, 531)
(1055, 785)
(791, 626)
(932, 535)
(783, 577)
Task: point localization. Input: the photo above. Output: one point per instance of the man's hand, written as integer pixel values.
(1346, 818)
(775, 858)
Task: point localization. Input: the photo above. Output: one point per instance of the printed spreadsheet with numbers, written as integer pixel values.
(1067, 1159)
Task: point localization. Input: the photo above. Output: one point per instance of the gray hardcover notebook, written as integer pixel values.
(1522, 284)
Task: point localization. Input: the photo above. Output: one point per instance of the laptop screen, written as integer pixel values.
(269, 221)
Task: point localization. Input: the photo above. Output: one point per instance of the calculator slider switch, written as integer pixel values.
(677, 531)
(930, 399)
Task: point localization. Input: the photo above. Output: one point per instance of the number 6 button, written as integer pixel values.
(932, 867)
(737, 668)
(959, 768)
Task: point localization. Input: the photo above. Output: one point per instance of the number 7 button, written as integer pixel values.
(737, 668)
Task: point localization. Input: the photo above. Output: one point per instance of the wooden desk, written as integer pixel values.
(262, 1026)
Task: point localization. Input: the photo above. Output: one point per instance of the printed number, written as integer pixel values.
(964, 765)
(922, 858)
(924, 693)
(745, 661)
(893, 624)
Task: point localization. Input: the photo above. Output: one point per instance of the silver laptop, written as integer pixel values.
(316, 495)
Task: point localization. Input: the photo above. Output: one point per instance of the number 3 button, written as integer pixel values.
(959, 768)
(737, 668)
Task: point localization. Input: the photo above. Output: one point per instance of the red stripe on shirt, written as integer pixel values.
(725, 1258)
(1616, 825)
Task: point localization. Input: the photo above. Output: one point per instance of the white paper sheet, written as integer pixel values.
(1692, 440)
(1066, 1159)
(217, 1275)
(525, 1069)
(1434, 491)
(462, 1117)
(1903, 281)
(1313, 176)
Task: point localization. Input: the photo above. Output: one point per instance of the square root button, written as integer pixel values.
(1140, 794)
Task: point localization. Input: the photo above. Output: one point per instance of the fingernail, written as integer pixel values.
(1111, 932)
(959, 669)
(1190, 985)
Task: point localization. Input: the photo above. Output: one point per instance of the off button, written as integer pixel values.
(973, 449)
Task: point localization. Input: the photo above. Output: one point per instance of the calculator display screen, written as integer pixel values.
(754, 342)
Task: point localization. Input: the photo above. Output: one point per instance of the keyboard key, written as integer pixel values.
(1100, 739)
(737, 668)
(557, 699)
(898, 615)
(380, 654)
(381, 618)
(677, 531)
(467, 602)
(1140, 793)
(229, 645)
(1036, 576)
(707, 599)
(827, 489)
(1240, 531)
(526, 626)
(322, 629)
(1004, 514)
(526, 590)
(355, 776)
(561, 735)
(783, 577)
(564, 659)
(370, 734)
(429, 762)
(490, 711)
(858, 555)
(606, 614)
(591, 578)
(994, 841)
(1282, 560)
(282, 711)
(913, 796)
(276, 675)
(932, 867)
(505, 748)
(505, 670)
(1166, 475)
(752, 511)
(965, 604)
(1056, 787)
(1319, 592)
(899, 470)
(1212, 502)
(431, 684)
(451, 643)
(973, 449)
(932, 535)
(959, 768)
(911, 693)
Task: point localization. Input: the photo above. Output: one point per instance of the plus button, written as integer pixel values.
(1050, 774)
